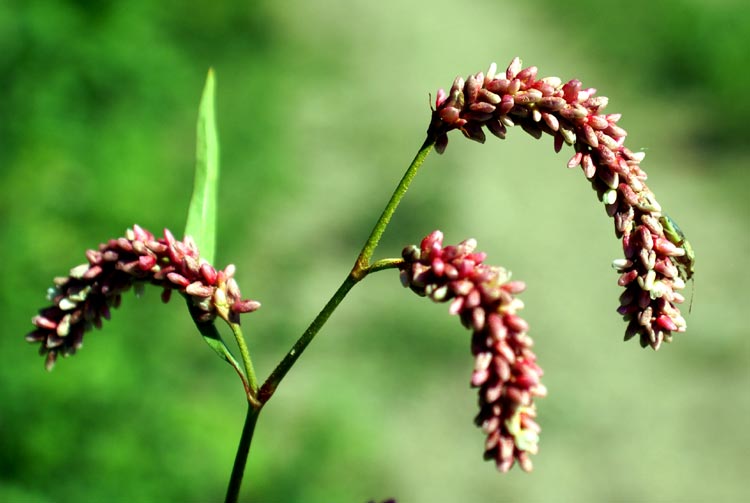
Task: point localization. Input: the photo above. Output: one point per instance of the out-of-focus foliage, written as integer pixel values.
(688, 49)
(321, 106)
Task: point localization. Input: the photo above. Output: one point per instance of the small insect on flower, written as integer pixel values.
(686, 262)
(675, 235)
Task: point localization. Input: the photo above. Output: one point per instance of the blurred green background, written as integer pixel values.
(322, 105)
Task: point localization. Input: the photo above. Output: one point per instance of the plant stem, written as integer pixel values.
(246, 360)
(361, 269)
(386, 263)
(363, 261)
(240, 459)
(269, 387)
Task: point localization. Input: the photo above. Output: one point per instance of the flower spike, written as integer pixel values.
(505, 369)
(84, 297)
(658, 259)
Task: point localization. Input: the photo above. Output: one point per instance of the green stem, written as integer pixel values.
(386, 263)
(269, 387)
(255, 406)
(246, 360)
(361, 269)
(363, 261)
(240, 460)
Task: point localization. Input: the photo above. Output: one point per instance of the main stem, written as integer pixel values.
(240, 460)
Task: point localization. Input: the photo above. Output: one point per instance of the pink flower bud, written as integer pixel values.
(198, 289)
(178, 279)
(208, 273)
(146, 262)
(245, 306)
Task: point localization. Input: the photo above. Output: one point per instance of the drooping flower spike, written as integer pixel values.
(83, 298)
(505, 369)
(657, 260)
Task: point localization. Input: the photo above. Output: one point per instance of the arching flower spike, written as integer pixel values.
(84, 298)
(657, 260)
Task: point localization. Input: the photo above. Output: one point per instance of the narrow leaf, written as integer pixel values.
(211, 335)
(214, 340)
(201, 219)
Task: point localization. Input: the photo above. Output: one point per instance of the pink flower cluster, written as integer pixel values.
(505, 369)
(84, 297)
(655, 267)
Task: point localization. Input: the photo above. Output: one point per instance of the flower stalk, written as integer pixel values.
(281, 370)
(363, 260)
(362, 267)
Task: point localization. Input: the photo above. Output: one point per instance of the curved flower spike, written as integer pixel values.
(505, 369)
(84, 297)
(658, 259)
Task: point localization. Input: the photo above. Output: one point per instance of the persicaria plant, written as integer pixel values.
(657, 259)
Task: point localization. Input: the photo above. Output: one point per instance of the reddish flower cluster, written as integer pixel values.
(655, 266)
(83, 298)
(505, 369)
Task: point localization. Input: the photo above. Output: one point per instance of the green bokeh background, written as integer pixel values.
(322, 105)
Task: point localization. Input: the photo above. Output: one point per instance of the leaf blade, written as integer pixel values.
(212, 337)
(202, 212)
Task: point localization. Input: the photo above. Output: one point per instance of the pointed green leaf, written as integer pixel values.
(201, 220)
(211, 335)
(214, 340)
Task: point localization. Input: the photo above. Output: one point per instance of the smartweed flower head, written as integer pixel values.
(656, 264)
(505, 369)
(83, 298)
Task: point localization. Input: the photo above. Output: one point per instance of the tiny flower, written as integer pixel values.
(83, 298)
(245, 306)
(505, 369)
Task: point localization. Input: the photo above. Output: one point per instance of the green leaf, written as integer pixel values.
(201, 219)
(211, 335)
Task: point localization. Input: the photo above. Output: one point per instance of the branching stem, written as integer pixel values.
(363, 261)
(257, 398)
